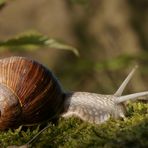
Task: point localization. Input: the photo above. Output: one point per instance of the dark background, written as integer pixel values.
(111, 35)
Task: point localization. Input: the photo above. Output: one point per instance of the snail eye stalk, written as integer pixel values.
(125, 82)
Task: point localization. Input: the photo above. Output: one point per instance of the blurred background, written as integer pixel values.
(111, 36)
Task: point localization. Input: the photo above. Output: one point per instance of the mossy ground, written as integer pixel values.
(74, 133)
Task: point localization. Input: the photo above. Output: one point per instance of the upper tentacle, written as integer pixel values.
(125, 82)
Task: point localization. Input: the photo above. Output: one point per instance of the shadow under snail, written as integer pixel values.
(31, 94)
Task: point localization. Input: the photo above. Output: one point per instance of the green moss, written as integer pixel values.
(72, 132)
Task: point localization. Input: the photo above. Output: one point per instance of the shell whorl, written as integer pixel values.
(10, 108)
(40, 94)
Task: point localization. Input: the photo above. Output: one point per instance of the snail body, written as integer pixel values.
(31, 94)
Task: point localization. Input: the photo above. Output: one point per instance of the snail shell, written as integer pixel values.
(29, 93)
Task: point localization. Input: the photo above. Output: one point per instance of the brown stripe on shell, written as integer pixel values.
(26, 78)
(38, 90)
(17, 68)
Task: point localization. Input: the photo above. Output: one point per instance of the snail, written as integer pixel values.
(31, 94)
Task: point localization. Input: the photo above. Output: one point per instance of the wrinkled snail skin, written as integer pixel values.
(31, 94)
(92, 107)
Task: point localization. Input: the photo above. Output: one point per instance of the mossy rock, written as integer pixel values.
(131, 132)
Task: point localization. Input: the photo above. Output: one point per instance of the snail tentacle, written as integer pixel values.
(125, 82)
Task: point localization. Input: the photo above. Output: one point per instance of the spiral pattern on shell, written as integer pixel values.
(39, 93)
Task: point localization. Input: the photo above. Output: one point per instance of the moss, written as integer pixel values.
(72, 132)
